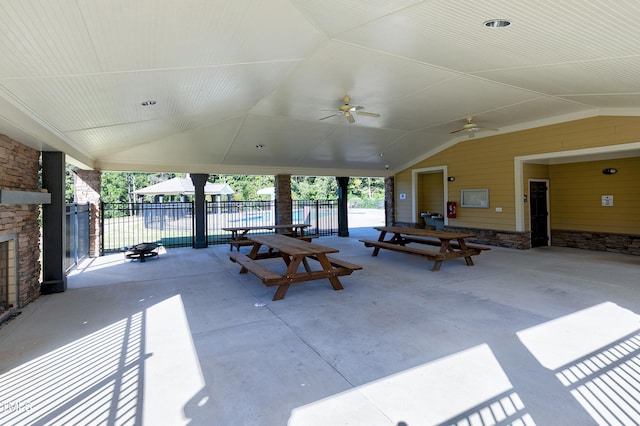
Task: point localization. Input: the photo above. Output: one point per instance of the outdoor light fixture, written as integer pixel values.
(451, 178)
(610, 171)
(259, 146)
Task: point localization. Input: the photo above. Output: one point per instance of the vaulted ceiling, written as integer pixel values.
(240, 86)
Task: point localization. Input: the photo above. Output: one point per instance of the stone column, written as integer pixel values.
(389, 197)
(343, 222)
(199, 181)
(86, 185)
(283, 199)
(54, 224)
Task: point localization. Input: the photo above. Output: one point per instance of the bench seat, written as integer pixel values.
(432, 255)
(267, 276)
(435, 242)
(339, 263)
(343, 264)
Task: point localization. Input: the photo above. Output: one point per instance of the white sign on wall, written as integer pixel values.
(607, 200)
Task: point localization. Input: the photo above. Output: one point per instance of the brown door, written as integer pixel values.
(539, 213)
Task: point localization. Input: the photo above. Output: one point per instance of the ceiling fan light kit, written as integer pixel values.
(470, 127)
(347, 110)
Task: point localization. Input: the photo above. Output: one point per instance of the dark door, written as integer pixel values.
(539, 213)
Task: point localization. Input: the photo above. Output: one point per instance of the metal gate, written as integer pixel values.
(77, 217)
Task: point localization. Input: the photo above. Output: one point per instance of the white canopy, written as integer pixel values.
(178, 186)
(269, 190)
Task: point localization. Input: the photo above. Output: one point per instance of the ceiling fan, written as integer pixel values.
(470, 127)
(348, 110)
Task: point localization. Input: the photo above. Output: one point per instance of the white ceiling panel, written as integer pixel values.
(219, 32)
(336, 16)
(202, 146)
(185, 99)
(317, 86)
(413, 146)
(355, 144)
(44, 38)
(629, 101)
(619, 75)
(465, 96)
(452, 34)
(535, 110)
(229, 75)
(106, 139)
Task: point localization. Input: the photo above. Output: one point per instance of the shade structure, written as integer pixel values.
(269, 190)
(184, 186)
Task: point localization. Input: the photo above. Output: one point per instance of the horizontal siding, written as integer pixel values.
(488, 163)
(576, 192)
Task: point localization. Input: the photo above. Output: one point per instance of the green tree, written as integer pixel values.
(246, 187)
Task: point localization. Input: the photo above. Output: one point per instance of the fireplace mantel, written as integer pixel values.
(8, 196)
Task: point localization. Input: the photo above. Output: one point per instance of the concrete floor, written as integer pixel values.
(547, 336)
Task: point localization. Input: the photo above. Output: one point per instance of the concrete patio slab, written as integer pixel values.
(186, 339)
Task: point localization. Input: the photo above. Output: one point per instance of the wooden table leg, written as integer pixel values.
(376, 250)
(464, 248)
(252, 254)
(328, 267)
(444, 247)
(281, 292)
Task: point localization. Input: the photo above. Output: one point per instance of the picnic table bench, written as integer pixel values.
(294, 252)
(452, 244)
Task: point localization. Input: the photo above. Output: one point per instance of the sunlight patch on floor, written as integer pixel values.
(466, 388)
(106, 376)
(595, 353)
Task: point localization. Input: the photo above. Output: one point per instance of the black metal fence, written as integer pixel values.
(321, 215)
(127, 224)
(172, 224)
(77, 217)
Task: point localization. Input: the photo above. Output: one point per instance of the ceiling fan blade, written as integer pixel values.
(456, 131)
(487, 128)
(367, 114)
(358, 108)
(350, 118)
(328, 116)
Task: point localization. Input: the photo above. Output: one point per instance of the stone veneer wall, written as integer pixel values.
(19, 165)
(283, 199)
(600, 241)
(87, 190)
(492, 237)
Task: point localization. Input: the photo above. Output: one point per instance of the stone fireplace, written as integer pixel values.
(20, 196)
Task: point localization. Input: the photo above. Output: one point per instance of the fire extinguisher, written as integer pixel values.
(451, 209)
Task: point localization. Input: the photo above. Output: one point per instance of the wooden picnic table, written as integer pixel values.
(239, 233)
(294, 252)
(452, 244)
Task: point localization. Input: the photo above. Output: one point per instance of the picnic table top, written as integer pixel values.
(419, 232)
(291, 246)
